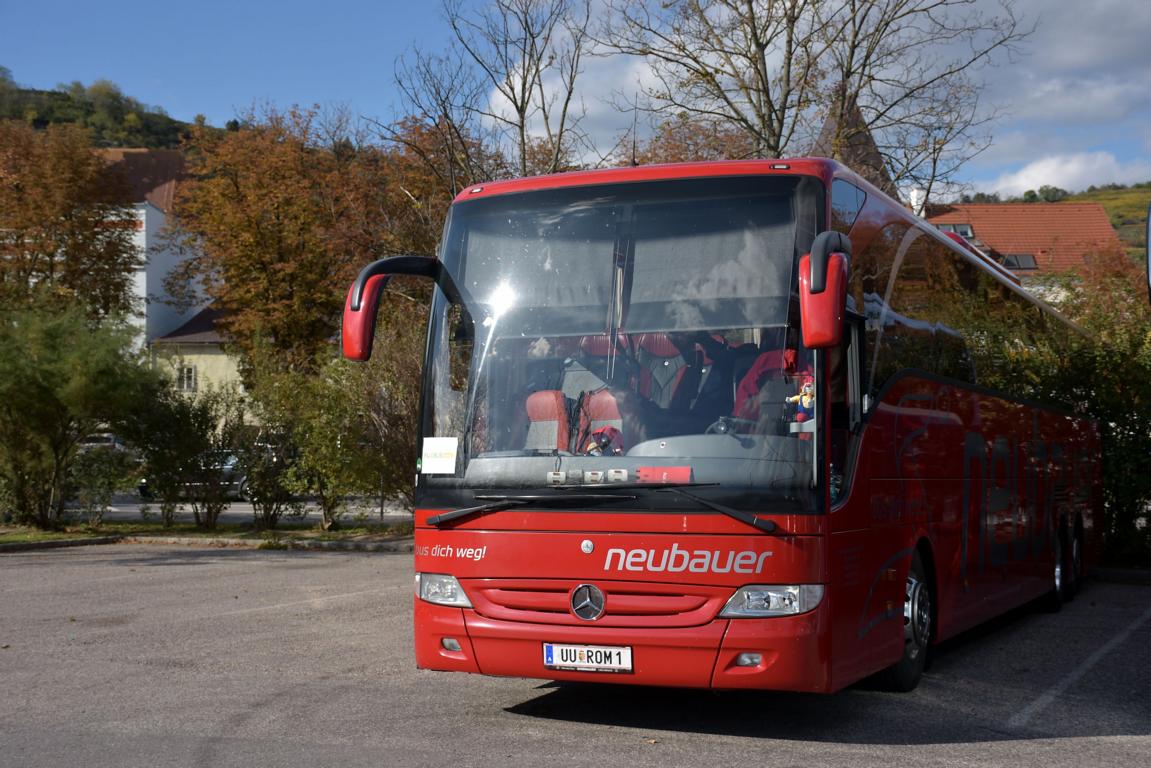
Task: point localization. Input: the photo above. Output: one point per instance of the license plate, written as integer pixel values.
(588, 658)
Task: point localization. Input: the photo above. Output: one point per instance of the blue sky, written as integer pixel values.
(220, 57)
(1076, 108)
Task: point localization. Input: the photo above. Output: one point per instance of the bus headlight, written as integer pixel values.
(760, 600)
(441, 589)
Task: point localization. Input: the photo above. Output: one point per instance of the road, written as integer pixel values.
(142, 655)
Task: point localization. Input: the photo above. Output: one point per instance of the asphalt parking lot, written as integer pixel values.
(143, 655)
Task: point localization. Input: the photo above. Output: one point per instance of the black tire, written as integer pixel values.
(918, 626)
(1053, 600)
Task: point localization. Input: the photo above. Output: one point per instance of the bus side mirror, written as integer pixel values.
(359, 323)
(823, 276)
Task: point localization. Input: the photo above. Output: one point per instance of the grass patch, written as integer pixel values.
(278, 538)
(19, 534)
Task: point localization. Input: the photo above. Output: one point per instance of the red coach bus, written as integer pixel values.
(727, 425)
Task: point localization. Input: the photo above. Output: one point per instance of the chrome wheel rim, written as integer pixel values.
(916, 616)
(1058, 563)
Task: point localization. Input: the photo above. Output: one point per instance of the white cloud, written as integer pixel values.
(1100, 37)
(1072, 172)
(1081, 99)
(1015, 146)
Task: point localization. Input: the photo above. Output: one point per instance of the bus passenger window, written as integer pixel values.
(846, 202)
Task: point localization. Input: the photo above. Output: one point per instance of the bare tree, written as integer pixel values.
(903, 71)
(440, 95)
(506, 89)
(910, 68)
(528, 55)
(751, 64)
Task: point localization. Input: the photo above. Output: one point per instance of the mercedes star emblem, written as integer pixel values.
(587, 602)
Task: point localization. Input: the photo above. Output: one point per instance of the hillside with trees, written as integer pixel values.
(1127, 208)
(111, 118)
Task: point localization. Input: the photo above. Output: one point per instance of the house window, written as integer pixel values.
(1020, 261)
(186, 378)
(963, 230)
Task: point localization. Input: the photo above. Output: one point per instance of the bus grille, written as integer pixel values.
(626, 604)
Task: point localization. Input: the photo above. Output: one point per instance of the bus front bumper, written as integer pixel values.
(782, 653)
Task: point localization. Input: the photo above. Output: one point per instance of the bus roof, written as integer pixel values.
(820, 167)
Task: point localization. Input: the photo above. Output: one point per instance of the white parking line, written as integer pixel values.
(1025, 715)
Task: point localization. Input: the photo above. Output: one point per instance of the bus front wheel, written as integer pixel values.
(905, 674)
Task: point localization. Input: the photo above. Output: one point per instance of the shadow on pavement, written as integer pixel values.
(967, 696)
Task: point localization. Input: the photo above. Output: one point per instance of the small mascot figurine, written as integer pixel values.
(804, 401)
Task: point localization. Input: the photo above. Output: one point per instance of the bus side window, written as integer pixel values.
(846, 202)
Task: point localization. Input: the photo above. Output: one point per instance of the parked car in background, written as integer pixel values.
(222, 468)
(101, 440)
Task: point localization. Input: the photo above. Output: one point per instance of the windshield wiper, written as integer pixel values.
(767, 526)
(497, 503)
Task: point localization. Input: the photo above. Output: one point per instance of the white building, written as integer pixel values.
(152, 175)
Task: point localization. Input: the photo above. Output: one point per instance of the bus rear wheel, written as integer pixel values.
(905, 674)
(1053, 600)
(1072, 564)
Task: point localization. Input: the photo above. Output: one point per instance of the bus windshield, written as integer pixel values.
(631, 333)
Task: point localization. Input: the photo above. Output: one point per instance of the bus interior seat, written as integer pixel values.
(592, 367)
(662, 368)
(548, 427)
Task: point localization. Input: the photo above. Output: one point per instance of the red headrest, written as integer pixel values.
(658, 344)
(600, 345)
(547, 405)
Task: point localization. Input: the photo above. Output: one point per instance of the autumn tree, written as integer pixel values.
(427, 165)
(682, 139)
(67, 225)
(277, 220)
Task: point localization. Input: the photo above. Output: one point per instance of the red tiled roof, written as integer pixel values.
(1059, 235)
(152, 174)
